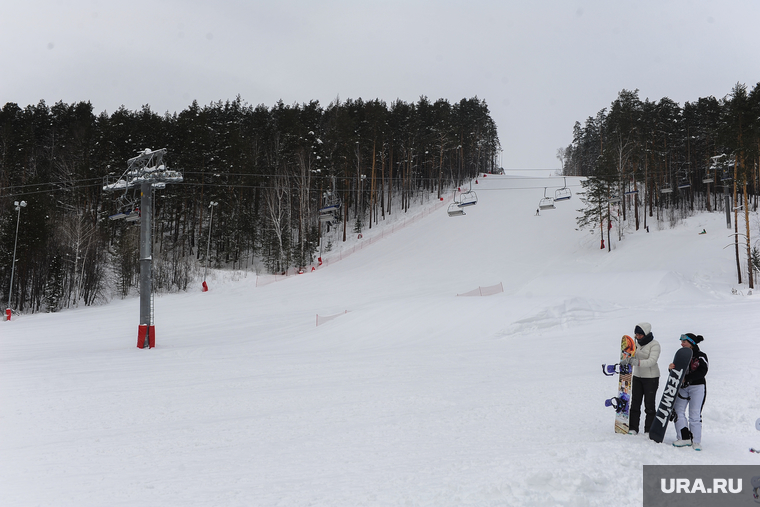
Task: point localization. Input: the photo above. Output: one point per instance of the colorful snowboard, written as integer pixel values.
(622, 402)
(681, 362)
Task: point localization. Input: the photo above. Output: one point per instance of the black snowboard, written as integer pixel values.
(675, 379)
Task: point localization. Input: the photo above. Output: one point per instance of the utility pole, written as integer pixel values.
(147, 172)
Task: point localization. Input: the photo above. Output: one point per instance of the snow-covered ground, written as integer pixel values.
(413, 397)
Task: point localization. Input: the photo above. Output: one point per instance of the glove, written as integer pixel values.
(629, 361)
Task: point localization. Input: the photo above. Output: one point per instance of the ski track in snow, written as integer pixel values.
(414, 397)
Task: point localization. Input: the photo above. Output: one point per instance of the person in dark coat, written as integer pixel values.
(692, 393)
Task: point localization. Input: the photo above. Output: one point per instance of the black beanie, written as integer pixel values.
(696, 337)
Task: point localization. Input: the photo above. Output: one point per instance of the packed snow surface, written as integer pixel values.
(414, 396)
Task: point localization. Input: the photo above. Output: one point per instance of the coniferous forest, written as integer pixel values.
(270, 169)
(655, 163)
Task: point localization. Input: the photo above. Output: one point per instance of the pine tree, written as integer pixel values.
(599, 193)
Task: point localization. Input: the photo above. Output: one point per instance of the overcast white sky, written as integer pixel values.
(540, 65)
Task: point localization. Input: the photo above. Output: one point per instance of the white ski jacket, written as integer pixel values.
(647, 356)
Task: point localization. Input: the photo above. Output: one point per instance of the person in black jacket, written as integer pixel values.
(693, 392)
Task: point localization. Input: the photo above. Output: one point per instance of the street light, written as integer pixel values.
(18, 205)
(212, 205)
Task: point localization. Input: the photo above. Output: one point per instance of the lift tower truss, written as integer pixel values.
(145, 172)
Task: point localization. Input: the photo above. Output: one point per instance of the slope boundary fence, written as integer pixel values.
(327, 318)
(485, 291)
(363, 242)
(385, 232)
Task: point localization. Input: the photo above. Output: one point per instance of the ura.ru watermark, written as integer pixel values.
(718, 485)
(701, 485)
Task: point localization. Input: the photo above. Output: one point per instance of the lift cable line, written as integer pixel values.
(16, 195)
(64, 184)
(145, 172)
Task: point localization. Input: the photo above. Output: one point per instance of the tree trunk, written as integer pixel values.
(372, 185)
(636, 204)
(736, 224)
(390, 178)
(750, 278)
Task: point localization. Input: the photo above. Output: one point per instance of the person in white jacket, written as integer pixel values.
(646, 377)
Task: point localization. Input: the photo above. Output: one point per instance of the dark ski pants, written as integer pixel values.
(646, 389)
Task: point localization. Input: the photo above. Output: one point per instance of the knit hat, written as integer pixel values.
(693, 338)
(643, 328)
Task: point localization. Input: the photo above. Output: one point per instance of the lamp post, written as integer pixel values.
(212, 205)
(18, 205)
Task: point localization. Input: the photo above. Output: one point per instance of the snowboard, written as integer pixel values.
(622, 402)
(681, 362)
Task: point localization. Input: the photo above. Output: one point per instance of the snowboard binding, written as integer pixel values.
(612, 369)
(620, 404)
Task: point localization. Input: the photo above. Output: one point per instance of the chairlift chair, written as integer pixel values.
(455, 210)
(330, 214)
(329, 219)
(331, 210)
(128, 209)
(708, 178)
(326, 217)
(564, 193)
(546, 202)
(469, 198)
(666, 190)
(133, 215)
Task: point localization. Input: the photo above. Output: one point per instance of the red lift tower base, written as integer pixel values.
(144, 332)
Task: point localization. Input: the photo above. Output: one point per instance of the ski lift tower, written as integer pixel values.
(146, 171)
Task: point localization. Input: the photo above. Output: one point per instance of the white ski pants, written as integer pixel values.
(694, 397)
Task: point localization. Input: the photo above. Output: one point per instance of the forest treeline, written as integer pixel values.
(271, 169)
(659, 160)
